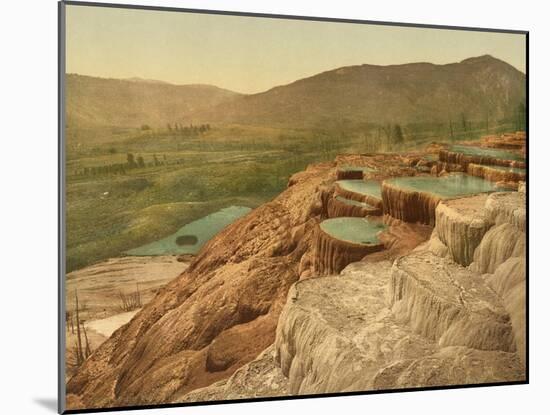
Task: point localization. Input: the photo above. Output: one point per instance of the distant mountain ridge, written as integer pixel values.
(92, 101)
(147, 81)
(476, 89)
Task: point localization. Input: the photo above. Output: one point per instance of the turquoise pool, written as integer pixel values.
(453, 185)
(355, 230)
(486, 152)
(370, 188)
(353, 202)
(190, 238)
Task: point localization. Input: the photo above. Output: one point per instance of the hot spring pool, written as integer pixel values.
(370, 188)
(486, 152)
(453, 185)
(353, 202)
(190, 238)
(355, 230)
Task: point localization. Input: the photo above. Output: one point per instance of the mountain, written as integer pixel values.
(147, 81)
(475, 89)
(93, 102)
(480, 88)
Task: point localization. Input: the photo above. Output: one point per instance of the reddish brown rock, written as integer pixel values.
(496, 175)
(359, 197)
(346, 174)
(190, 335)
(409, 205)
(332, 255)
(512, 141)
(465, 159)
(441, 166)
(340, 207)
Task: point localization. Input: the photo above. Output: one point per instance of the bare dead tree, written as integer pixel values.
(79, 354)
(132, 301)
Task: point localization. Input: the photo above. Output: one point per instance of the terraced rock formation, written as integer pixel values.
(461, 225)
(514, 141)
(409, 205)
(344, 173)
(448, 304)
(334, 249)
(361, 191)
(497, 173)
(260, 378)
(339, 334)
(414, 199)
(190, 335)
(325, 312)
(487, 233)
(457, 157)
(339, 206)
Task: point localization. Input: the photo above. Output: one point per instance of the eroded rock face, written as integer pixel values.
(339, 207)
(464, 160)
(260, 378)
(190, 335)
(339, 334)
(332, 255)
(449, 304)
(450, 365)
(343, 174)
(515, 141)
(409, 205)
(460, 224)
(508, 281)
(336, 333)
(499, 244)
(421, 320)
(494, 226)
(481, 231)
(444, 167)
(506, 239)
(495, 175)
(507, 207)
(359, 197)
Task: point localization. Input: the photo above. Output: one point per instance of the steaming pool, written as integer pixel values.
(354, 230)
(190, 238)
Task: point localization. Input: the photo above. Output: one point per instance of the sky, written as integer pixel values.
(252, 54)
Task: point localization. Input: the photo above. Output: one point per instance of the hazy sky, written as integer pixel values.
(249, 54)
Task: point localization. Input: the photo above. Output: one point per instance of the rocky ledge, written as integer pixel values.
(331, 254)
(347, 333)
(455, 157)
(409, 205)
(338, 206)
(496, 173)
(447, 312)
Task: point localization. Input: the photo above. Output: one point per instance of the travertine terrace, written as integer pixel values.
(437, 299)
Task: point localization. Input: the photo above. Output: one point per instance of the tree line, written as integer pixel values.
(190, 130)
(132, 162)
(179, 129)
